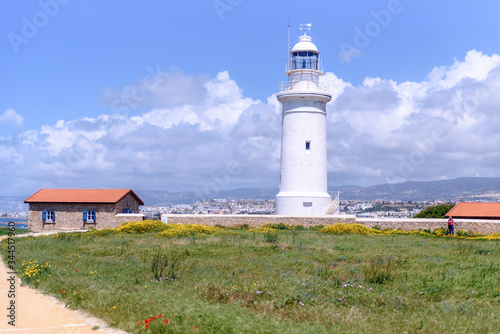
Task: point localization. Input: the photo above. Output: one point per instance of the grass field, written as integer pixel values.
(238, 281)
(17, 231)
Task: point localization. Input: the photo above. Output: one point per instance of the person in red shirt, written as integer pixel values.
(451, 226)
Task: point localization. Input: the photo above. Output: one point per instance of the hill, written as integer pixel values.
(462, 189)
(13, 204)
(158, 197)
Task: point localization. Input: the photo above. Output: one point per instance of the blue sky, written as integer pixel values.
(176, 95)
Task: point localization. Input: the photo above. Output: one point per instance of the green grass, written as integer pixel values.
(17, 231)
(298, 282)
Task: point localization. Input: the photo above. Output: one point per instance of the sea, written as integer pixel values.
(20, 223)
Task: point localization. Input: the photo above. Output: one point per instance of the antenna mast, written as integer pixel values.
(289, 35)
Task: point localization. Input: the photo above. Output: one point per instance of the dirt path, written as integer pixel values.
(37, 313)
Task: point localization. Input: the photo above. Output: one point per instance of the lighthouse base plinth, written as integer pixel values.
(301, 204)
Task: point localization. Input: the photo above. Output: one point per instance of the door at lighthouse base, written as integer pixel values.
(308, 206)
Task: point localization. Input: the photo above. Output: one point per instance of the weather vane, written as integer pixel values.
(305, 27)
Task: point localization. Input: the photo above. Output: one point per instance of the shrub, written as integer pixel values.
(142, 226)
(32, 272)
(379, 269)
(283, 226)
(262, 229)
(271, 236)
(99, 233)
(441, 231)
(437, 211)
(278, 226)
(180, 230)
(169, 262)
(493, 236)
(462, 233)
(343, 228)
(483, 251)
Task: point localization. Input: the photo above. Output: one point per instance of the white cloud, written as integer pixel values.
(166, 118)
(156, 89)
(442, 127)
(380, 131)
(220, 108)
(475, 66)
(11, 118)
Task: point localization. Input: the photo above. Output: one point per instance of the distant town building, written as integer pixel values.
(361, 206)
(475, 210)
(82, 208)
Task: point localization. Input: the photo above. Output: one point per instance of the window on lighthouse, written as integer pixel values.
(305, 60)
(308, 146)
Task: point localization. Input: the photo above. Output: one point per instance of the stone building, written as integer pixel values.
(82, 208)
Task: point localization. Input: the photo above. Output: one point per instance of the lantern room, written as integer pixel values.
(304, 66)
(305, 56)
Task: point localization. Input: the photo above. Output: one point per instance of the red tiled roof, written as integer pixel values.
(475, 210)
(80, 196)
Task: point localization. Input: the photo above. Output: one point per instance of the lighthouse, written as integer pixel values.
(303, 172)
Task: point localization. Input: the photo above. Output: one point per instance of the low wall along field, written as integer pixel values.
(254, 221)
(470, 225)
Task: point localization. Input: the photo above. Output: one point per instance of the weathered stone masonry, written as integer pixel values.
(484, 226)
(70, 215)
(253, 221)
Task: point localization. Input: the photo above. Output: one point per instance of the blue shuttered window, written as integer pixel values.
(89, 215)
(48, 215)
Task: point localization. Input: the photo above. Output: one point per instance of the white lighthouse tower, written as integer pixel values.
(303, 175)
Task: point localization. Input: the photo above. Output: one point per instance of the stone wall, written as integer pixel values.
(473, 225)
(254, 221)
(69, 216)
(481, 226)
